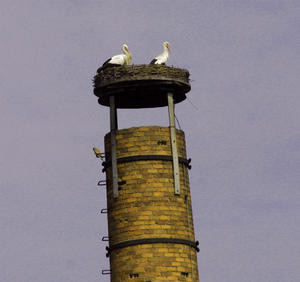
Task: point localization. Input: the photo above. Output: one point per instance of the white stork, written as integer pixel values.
(163, 57)
(117, 60)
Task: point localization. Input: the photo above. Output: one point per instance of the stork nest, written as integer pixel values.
(141, 86)
(140, 72)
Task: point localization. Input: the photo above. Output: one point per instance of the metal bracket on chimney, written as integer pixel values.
(106, 271)
(104, 211)
(101, 183)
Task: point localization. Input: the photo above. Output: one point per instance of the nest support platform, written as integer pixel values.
(141, 86)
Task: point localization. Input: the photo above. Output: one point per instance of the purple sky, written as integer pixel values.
(241, 125)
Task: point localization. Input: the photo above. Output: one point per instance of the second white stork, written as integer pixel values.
(117, 60)
(163, 57)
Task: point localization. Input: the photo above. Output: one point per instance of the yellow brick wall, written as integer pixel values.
(148, 208)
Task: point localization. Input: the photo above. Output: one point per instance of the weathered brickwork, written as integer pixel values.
(148, 208)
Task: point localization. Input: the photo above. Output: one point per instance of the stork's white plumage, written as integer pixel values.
(118, 60)
(163, 57)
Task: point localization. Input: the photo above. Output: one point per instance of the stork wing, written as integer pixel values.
(118, 59)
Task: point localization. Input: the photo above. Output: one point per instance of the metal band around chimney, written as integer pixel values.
(184, 161)
(152, 241)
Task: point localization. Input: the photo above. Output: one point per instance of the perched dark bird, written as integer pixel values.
(163, 57)
(117, 60)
